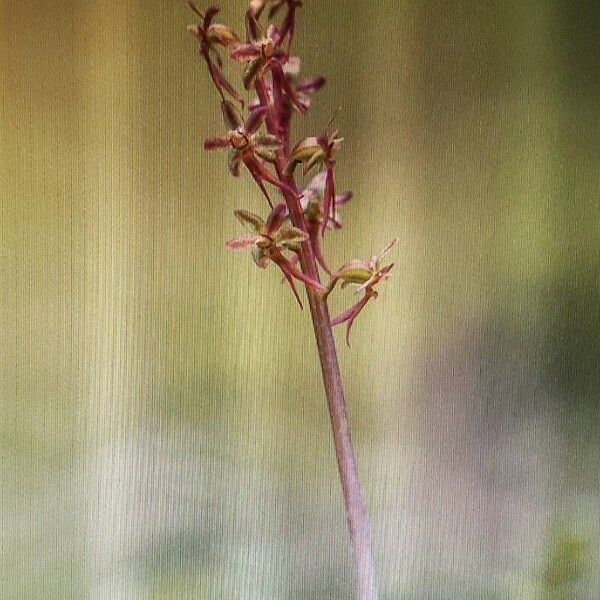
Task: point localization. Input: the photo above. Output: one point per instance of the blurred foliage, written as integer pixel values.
(162, 422)
(565, 567)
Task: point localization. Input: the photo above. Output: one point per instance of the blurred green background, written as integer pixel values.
(163, 429)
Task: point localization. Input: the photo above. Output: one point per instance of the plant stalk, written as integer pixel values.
(356, 513)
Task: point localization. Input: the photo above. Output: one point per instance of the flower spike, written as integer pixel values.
(273, 72)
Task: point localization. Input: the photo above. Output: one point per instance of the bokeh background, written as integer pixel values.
(163, 429)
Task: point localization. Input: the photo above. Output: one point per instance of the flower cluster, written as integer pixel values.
(258, 138)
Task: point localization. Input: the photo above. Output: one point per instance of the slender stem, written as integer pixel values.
(356, 514)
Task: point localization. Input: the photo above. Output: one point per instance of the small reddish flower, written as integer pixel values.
(311, 200)
(274, 75)
(259, 54)
(269, 239)
(210, 35)
(248, 146)
(313, 151)
(365, 274)
(288, 24)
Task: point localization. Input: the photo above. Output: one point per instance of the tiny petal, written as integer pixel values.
(216, 143)
(248, 218)
(292, 66)
(245, 52)
(210, 14)
(255, 7)
(355, 271)
(267, 154)
(266, 139)
(231, 115)
(307, 151)
(243, 243)
(342, 199)
(260, 257)
(291, 235)
(311, 85)
(251, 72)
(276, 217)
(255, 120)
(234, 163)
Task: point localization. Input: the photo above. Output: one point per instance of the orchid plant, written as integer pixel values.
(257, 137)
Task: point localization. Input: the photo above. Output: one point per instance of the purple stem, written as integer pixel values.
(356, 514)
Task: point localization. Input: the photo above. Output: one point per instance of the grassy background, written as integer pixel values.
(163, 431)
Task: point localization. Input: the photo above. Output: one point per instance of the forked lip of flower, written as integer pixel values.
(314, 193)
(376, 278)
(292, 66)
(364, 273)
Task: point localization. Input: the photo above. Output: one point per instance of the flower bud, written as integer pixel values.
(232, 117)
(221, 34)
(309, 152)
